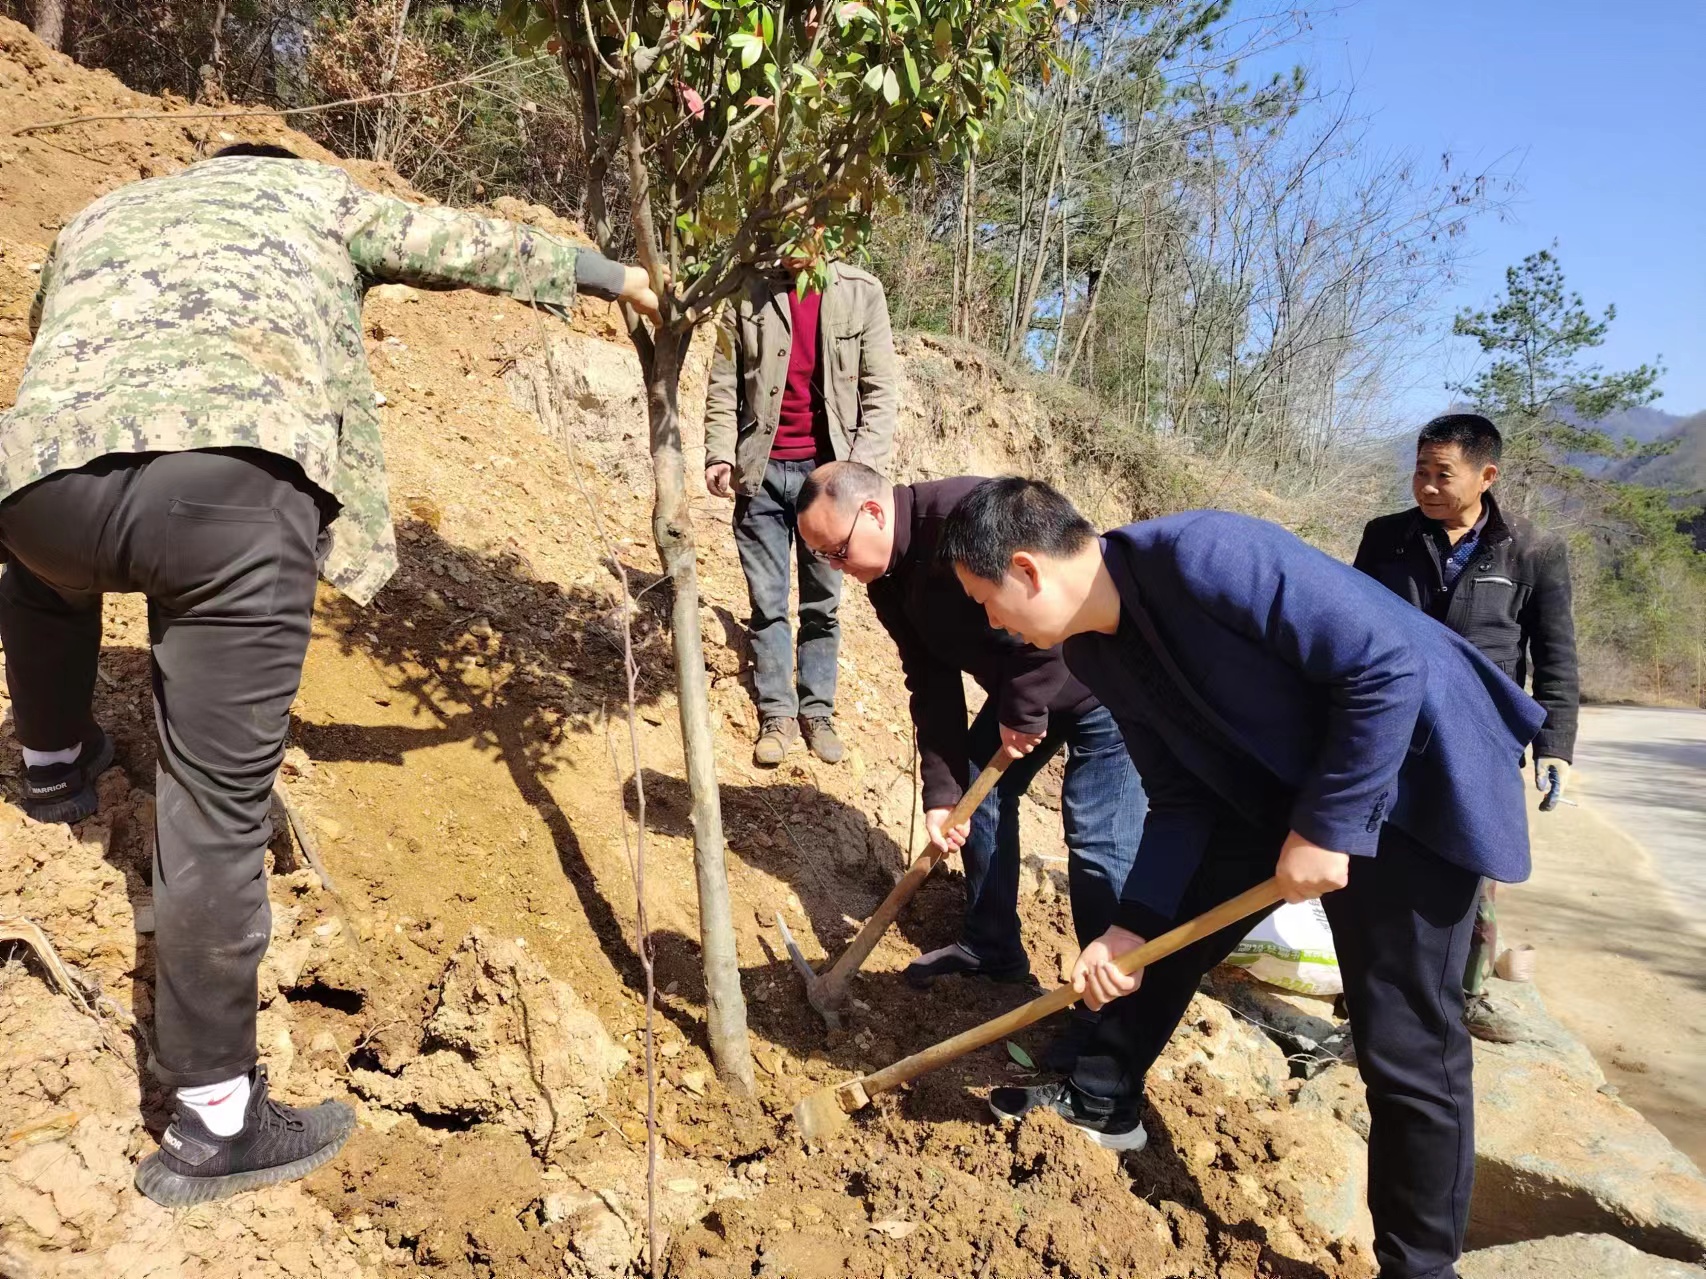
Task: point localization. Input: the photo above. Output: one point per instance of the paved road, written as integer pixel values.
(1645, 771)
(1617, 909)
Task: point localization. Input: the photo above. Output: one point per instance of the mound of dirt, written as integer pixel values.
(506, 1045)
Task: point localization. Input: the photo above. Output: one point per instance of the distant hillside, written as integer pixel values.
(1643, 425)
(1683, 468)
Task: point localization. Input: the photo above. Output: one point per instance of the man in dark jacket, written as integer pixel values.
(1505, 588)
(886, 536)
(1289, 718)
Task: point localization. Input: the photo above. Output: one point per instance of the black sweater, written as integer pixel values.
(941, 631)
(1512, 601)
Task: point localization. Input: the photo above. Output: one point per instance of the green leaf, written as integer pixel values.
(942, 72)
(767, 26)
(751, 54)
(733, 79)
(807, 77)
(874, 79)
(1019, 1055)
(944, 38)
(911, 72)
(891, 86)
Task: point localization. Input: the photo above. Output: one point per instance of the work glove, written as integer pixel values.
(1544, 770)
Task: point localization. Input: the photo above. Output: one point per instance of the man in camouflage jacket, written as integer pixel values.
(196, 422)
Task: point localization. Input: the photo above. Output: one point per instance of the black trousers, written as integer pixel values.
(1402, 930)
(223, 543)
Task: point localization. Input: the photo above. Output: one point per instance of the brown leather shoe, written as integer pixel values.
(820, 736)
(779, 735)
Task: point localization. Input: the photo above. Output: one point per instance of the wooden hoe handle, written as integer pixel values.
(909, 883)
(907, 1069)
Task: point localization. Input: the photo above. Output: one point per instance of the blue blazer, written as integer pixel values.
(1257, 677)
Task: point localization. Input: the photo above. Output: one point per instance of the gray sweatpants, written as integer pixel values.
(223, 543)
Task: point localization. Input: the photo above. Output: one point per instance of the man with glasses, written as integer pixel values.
(886, 536)
(799, 378)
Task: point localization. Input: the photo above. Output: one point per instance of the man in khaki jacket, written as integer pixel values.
(799, 379)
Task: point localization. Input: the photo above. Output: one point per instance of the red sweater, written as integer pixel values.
(803, 431)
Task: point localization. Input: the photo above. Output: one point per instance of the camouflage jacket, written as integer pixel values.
(221, 307)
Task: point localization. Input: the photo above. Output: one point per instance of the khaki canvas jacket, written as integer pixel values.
(220, 307)
(750, 370)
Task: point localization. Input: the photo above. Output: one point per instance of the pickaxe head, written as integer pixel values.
(817, 993)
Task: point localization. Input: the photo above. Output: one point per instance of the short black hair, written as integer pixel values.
(266, 150)
(844, 483)
(1002, 516)
(1475, 435)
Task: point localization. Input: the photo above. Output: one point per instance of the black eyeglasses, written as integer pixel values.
(839, 554)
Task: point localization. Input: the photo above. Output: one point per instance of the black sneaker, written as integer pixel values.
(66, 792)
(277, 1143)
(956, 960)
(1064, 1050)
(1109, 1126)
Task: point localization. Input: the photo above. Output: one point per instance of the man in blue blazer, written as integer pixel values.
(1289, 717)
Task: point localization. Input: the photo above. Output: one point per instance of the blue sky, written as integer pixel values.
(1597, 107)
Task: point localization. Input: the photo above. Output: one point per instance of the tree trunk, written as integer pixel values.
(1028, 302)
(1065, 287)
(387, 120)
(672, 527)
(50, 23)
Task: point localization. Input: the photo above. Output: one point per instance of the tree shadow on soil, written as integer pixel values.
(833, 858)
(510, 664)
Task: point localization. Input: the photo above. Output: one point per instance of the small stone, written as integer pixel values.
(329, 827)
(670, 1048)
(694, 1082)
(600, 1238)
(682, 1186)
(296, 763)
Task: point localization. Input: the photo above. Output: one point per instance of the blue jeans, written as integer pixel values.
(1102, 805)
(766, 538)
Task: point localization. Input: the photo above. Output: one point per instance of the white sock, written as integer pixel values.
(220, 1106)
(45, 759)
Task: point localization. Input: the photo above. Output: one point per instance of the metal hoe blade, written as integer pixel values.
(814, 983)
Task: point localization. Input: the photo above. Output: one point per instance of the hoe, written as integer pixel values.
(825, 1112)
(827, 992)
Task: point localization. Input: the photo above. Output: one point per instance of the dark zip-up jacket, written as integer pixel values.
(941, 631)
(1511, 601)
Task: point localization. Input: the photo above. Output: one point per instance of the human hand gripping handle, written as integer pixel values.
(943, 837)
(1018, 744)
(1307, 871)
